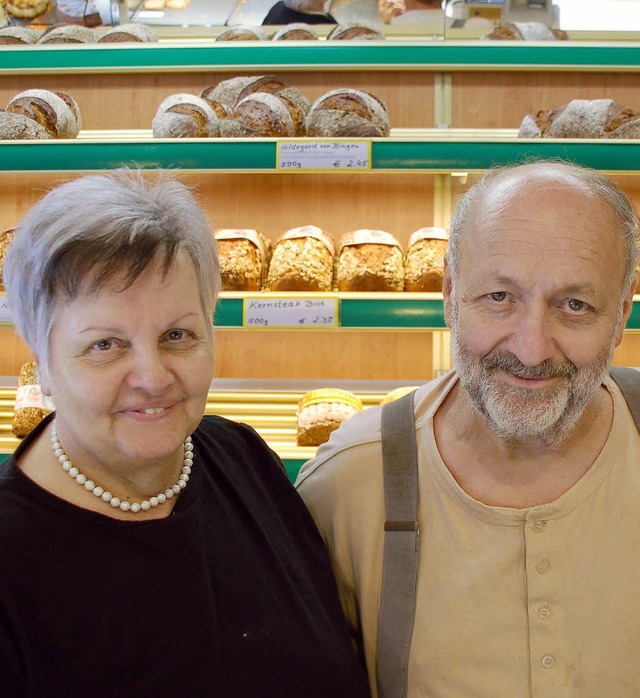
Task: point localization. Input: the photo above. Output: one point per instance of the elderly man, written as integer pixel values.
(528, 470)
(292, 11)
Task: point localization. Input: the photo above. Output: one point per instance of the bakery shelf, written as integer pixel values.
(426, 150)
(412, 53)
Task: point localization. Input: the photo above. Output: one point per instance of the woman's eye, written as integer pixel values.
(575, 305)
(498, 296)
(103, 345)
(176, 334)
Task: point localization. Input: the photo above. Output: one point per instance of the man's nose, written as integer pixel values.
(532, 341)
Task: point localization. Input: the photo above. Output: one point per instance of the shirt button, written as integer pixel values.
(538, 526)
(548, 661)
(543, 566)
(544, 613)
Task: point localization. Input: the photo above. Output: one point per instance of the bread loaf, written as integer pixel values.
(56, 112)
(244, 259)
(26, 9)
(16, 127)
(302, 260)
(424, 261)
(295, 32)
(355, 32)
(583, 118)
(18, 35)
(346, 112)
(321, 412)
(242, 34)
(31, 405)
(133, 31)
(259, 114)
(5, 241)
(370, 260)
(185, 116)
(526, 31)
(390, 9)
(68, 34)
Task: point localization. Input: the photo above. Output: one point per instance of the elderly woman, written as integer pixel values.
(145, 550)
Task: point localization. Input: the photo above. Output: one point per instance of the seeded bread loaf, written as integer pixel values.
(18, 35)
(68, 34)
(583, 118)
(302, 260)
(295, 32)
(355, 32)
(244, 259)
(133, 31)
(424, 261)
(370, 260)
(185, 116)
(242, 34)
(31, 406)
(347, 112)
(5, 240)
(321, 412)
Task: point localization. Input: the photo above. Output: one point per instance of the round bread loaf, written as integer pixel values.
(424, 261)
(583, 118)
(133, 31)
(224, 96)
(58, 114)
(526, 31)
(18, 35)
(68, 34)
(259, 115)
(242, 34)
(185, 116)
(244, 259)
(355, 32)
(347, 112)
(16, 127)
(370, 260)
(298, 106)
(321, 412)
(295, 32)
(26, 9)
(302, 260)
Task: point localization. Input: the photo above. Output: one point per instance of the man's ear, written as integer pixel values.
(627, 305)
(446, 292)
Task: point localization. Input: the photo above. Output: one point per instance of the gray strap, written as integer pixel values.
(628, 380)
(400, 562)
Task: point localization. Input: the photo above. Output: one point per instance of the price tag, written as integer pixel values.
(297, 312)
(6, 318)
(320, 156)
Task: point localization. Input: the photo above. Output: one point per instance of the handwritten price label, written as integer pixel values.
(287, 312)
(6, 318)
(314, 156)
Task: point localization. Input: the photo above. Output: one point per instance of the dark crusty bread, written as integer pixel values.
(259, 114)
(132, 31)
(242, 34)
(295, 32)
(347, 112)
(68, 34)
(583, 118)
(56, 112)
(355, 32)
(18, 35)
(184, 115)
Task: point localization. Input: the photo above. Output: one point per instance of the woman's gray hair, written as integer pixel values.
(599, 184)
(98, 228)
(313, 6)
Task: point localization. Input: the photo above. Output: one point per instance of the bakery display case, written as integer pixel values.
(454, 108)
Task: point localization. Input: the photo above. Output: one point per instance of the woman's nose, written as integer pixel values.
(150, 371)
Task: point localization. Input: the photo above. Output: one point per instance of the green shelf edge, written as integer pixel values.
(415, 154)
(389, 55)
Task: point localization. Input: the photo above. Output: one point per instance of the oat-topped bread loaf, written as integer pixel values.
(5, 240)
(31, 405)
(370, 260)
(18, 35)
(321, 412)
(526, 31)
(55, 112)
(345, 112)
(424, 261)
(260, 114)
(68, 34)
(355, 32)
(185, 116)
(133, 31)
(583, 118)
(244, 259)
(296, 31)
(242, 34)
(302, 260)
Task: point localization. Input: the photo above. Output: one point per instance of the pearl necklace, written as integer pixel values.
(106, 496)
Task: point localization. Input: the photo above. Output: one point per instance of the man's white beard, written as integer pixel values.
(515, 414)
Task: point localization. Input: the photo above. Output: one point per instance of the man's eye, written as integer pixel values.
(103, 344)
(575, 305)
(498, 296)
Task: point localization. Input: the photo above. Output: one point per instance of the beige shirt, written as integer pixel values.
(541, 602)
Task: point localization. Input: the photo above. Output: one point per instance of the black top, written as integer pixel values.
(231, 595)
(279, 14)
